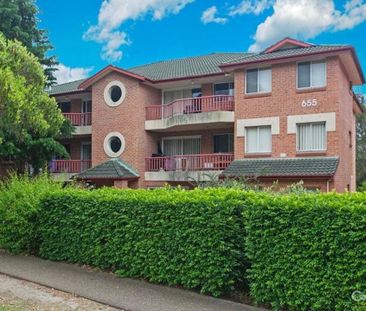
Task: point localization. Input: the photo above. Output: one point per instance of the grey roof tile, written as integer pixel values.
(111, 169)
(200, 65)
(68, 87)
(186, 67)
(269, 167)
(284, 53)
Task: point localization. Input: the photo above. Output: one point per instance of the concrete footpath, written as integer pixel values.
(126, 294)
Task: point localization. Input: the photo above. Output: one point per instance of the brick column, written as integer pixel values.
(121, 184)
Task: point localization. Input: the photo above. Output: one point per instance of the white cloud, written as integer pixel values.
(305, 19)
(251, 6)
(209, 16)
(113, 13)
(66, 74)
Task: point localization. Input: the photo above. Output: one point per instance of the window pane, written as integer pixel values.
(252, 81)
(318, 74)
(191, 145)
(196, 93)
(318, 135)
(303, 75)
(311, 137)
(251, 139)
(265, 139)
(170, 96)
(265, 80)
(172, 147)
(223, 143)
(65, 107)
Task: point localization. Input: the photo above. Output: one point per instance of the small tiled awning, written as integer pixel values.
(111, 169)
(283, 167)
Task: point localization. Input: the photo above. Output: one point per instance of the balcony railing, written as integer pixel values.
(195, 162)
(69, 166)
(190, 105)
(79, 119)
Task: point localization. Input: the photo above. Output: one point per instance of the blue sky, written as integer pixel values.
(89, 34)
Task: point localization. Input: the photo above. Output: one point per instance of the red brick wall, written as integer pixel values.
(285, 100)
(128, 118)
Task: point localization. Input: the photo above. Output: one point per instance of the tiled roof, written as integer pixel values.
(202, 65)
(294, 167)
(69, 87)
(284, 53)
(186, 67)
(111, 169)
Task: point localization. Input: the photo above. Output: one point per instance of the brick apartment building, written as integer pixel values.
(285, 114)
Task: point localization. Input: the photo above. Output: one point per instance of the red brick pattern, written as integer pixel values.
(284, 100)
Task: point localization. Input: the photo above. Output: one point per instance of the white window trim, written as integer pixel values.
(241, 124)
(329, 118)
(258, 92)
(246, 140)
(311, 75)
(312, 150)
(107, 149)
(107, 97)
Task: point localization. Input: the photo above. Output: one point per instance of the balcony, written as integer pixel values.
(186, 167)
(190, 112)
(81, 120)
(69, 166)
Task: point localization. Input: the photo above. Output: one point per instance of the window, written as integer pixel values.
(311, 137)
(114, 93)
(114, 144)
(65, 107)
(223, 143)
(171, 96)
(311, 74)
(258, 139)
(224, 89)
(350, 139)
(258, 81)
(181, 145)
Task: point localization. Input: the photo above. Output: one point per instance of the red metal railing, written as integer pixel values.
(194, 162)
(190, 105)
(79, 119)
(69, 166)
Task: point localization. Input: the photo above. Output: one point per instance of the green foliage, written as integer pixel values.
(19, 207)
(30, 120)
(18, 21)
(307, 252)
(190, 238)
(362, 187)
(361, 148)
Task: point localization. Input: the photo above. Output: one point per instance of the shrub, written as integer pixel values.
(19, 207)
(306, 252)
(190, 238)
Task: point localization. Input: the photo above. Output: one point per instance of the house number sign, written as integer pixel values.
(307, 103)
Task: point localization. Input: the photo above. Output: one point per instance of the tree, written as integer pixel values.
(18, 21)
(30, 120)
(361, 148)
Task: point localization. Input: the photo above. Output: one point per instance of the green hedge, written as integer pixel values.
(190, 238)
(19, 207)
(306, 252)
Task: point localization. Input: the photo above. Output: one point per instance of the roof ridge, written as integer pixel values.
(73, 81)
(185, 58)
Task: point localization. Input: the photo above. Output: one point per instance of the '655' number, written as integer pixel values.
(309, 103)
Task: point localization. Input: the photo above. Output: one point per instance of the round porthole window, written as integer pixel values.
(114, 144)
(114, 93)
